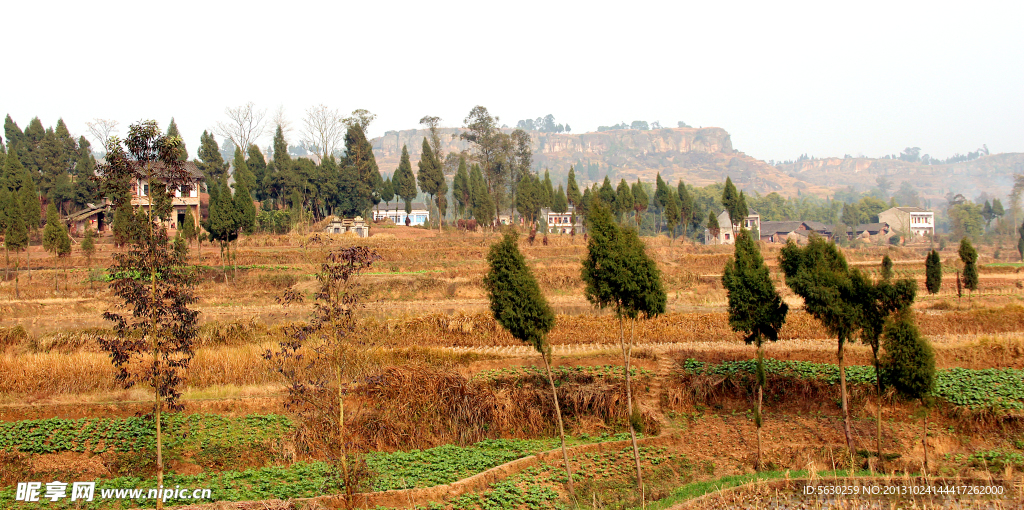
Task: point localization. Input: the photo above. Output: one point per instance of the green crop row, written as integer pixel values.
(990, 388)
(557, 373)
(395, 470)
(97, 435)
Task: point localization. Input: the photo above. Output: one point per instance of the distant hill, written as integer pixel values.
(992, 174)
(706, 155)
(698, 156)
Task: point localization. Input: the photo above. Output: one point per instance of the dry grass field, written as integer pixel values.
(434, 370)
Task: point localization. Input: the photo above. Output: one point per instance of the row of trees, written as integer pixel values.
(847, 302)
(618, 274)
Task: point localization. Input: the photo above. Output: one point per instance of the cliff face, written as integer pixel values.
(697, 156)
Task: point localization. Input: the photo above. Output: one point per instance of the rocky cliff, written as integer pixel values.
(698, 156)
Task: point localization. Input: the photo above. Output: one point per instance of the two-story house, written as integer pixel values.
(561, 223)
(726, 234)
(912, 222)
(186, 196)
(186, 200)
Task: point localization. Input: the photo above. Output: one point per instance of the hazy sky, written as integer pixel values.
(783, 79)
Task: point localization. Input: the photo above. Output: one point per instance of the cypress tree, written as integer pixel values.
(560, 203)
(572, 189)
(713, 227)
(53, 237)
(462, 191)
(180, 153)
(671, 212)
(257, 166)
(623, 198)
(430, 176)
(245, 211)
(519, 306)
(686, 206)
(820, 275)
(618, 273)
(933, 272)
(909, 365)
(211, 162)
(969, 257)
(483, 206)
(387, 193)
(640, 201)
(404, 181)
(549, 190)
(660, 198)
(886, 268)
(607, 194)
(89, 246)
(16, 237)
(755, 308)
(730, 201)
(241, 172)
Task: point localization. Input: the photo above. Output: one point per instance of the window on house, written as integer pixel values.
(145, 190)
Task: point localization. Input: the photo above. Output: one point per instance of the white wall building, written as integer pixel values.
(725, 233)
(395, 211)
(909, 221)
(561, 223)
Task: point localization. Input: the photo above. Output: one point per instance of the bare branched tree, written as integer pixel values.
(244, 125)
(281, 120)
(102, 130)
(323, 130)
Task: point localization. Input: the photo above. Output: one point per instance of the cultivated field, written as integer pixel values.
(448, 411)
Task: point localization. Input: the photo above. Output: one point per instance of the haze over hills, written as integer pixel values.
(697, 156)
(702, 156)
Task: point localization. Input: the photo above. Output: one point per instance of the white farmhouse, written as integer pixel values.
(910, 221)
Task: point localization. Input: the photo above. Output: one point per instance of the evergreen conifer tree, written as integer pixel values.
(640, 202)
(671, 212)
(559, 203)
(387, 193)
(572, 189)
(404, 181)
(211, 162)
(819, 274)
(933, 272)
(730, 201)
(618, 273)
(244, 208)
(430, 176)
(16, 237)
(462, 191)
(54, 235)
(549, 190)
(969, 257)
(519, 306)
(483, 206)
(886, 268)
(755, 308)
(257, 166)
(89, 246)
(241, 172)
(623, 198)
(714, 229)
(909, 365)
(686, 206)
(180, 152)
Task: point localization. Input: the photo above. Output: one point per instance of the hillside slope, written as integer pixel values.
(698, 156)
(992, 174)
(706, 155)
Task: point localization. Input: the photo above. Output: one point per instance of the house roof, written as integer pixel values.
(89, 210)
(399, 205)
(911, 209)
(871, 228)
(775, 227)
